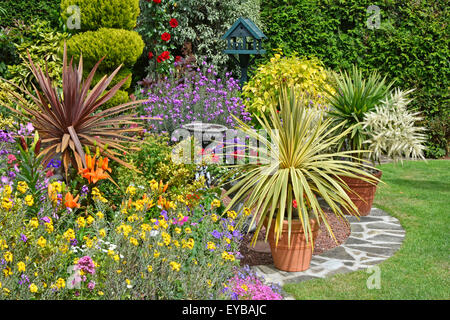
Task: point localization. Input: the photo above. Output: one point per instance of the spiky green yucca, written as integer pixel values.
(297, 166)
(350, 100)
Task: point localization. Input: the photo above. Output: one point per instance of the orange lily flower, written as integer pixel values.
(71, 202)
(103, 163)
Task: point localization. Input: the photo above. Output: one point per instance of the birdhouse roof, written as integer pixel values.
(250, 27)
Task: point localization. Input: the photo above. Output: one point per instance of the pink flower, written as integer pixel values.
(11, 158)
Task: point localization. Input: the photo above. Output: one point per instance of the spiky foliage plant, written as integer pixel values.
(351, 97)
(294, 163)
(69, 120)
(392, 131)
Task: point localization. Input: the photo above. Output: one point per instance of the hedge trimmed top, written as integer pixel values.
(118, 46)
(118, 14)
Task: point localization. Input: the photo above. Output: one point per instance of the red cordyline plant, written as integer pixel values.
(68, 122)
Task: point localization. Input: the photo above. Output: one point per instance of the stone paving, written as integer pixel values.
(373, 239)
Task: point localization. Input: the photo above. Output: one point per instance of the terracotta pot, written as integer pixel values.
(362, 193)
(297, 256)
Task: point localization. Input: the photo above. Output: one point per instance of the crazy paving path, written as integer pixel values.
(373, 239)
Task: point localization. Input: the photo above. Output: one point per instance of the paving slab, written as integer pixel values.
(373, 239)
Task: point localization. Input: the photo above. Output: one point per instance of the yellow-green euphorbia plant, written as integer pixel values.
(297, 166)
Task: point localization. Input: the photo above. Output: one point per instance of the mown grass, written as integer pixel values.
(418, 194)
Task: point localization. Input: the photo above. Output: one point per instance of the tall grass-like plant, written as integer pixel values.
(350, 99)
(391, 129)
(69, 120)
(297, 166)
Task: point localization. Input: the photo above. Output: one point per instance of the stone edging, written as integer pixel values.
(373, 239)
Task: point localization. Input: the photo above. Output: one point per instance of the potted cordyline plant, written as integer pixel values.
(350, 100)
(293, 168)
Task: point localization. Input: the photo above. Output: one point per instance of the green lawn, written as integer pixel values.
(418, 194)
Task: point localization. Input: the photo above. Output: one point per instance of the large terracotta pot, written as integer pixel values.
(297, 257)
(362, 193)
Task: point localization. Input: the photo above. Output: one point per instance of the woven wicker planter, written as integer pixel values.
(362, 193)
(296, 257)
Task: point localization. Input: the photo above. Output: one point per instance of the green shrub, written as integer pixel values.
(44, 45)
(118, 46)
(95, 14)
(119, 98)
(411, 46)
(305, 75)
(123, 73)
(28, 10)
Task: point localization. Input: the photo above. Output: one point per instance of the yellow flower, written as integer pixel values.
(131, 190)
(22, 187)
(156, 253)
(60, 283)
(8, 256)
(230, 228)
(69, 234)
(134, 241)
(110, 253)
(247, 211)
(100, 293)
(232, 214)
(215, 203)
(90, 220)
(7, 271)
(227, 256)
(33, 288)
(178, 230)
(188, 230)
(166, 238)
(149, 268)
(244, 287)
(119, 271)
(41, 242)
(7, 191)
(214, 217)
(7, 204)
(175, 266)
(211, 245)
(21, 266)
(3, 244)
(128, 282)
(209, 282)
(176, 243)
(100, 215)
(29, 201)
(81, 222)
(102, 233)
(116, 257)
(34, 223)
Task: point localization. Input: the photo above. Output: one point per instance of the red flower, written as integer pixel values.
(294, 203)
(150, 55)
(177, 58)
(163, 56)
(156, 1)
(165, 36)
(173, 23)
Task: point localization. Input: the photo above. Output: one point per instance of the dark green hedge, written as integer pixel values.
(411, 46)
(27, 10)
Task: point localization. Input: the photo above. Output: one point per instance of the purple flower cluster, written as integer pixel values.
(86, 264)
(199, 96)
(246, 285)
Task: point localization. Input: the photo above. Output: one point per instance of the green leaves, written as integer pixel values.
(351, 97)
(302, 169)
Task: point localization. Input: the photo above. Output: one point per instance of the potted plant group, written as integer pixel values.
(351, 98)
(282, 176)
